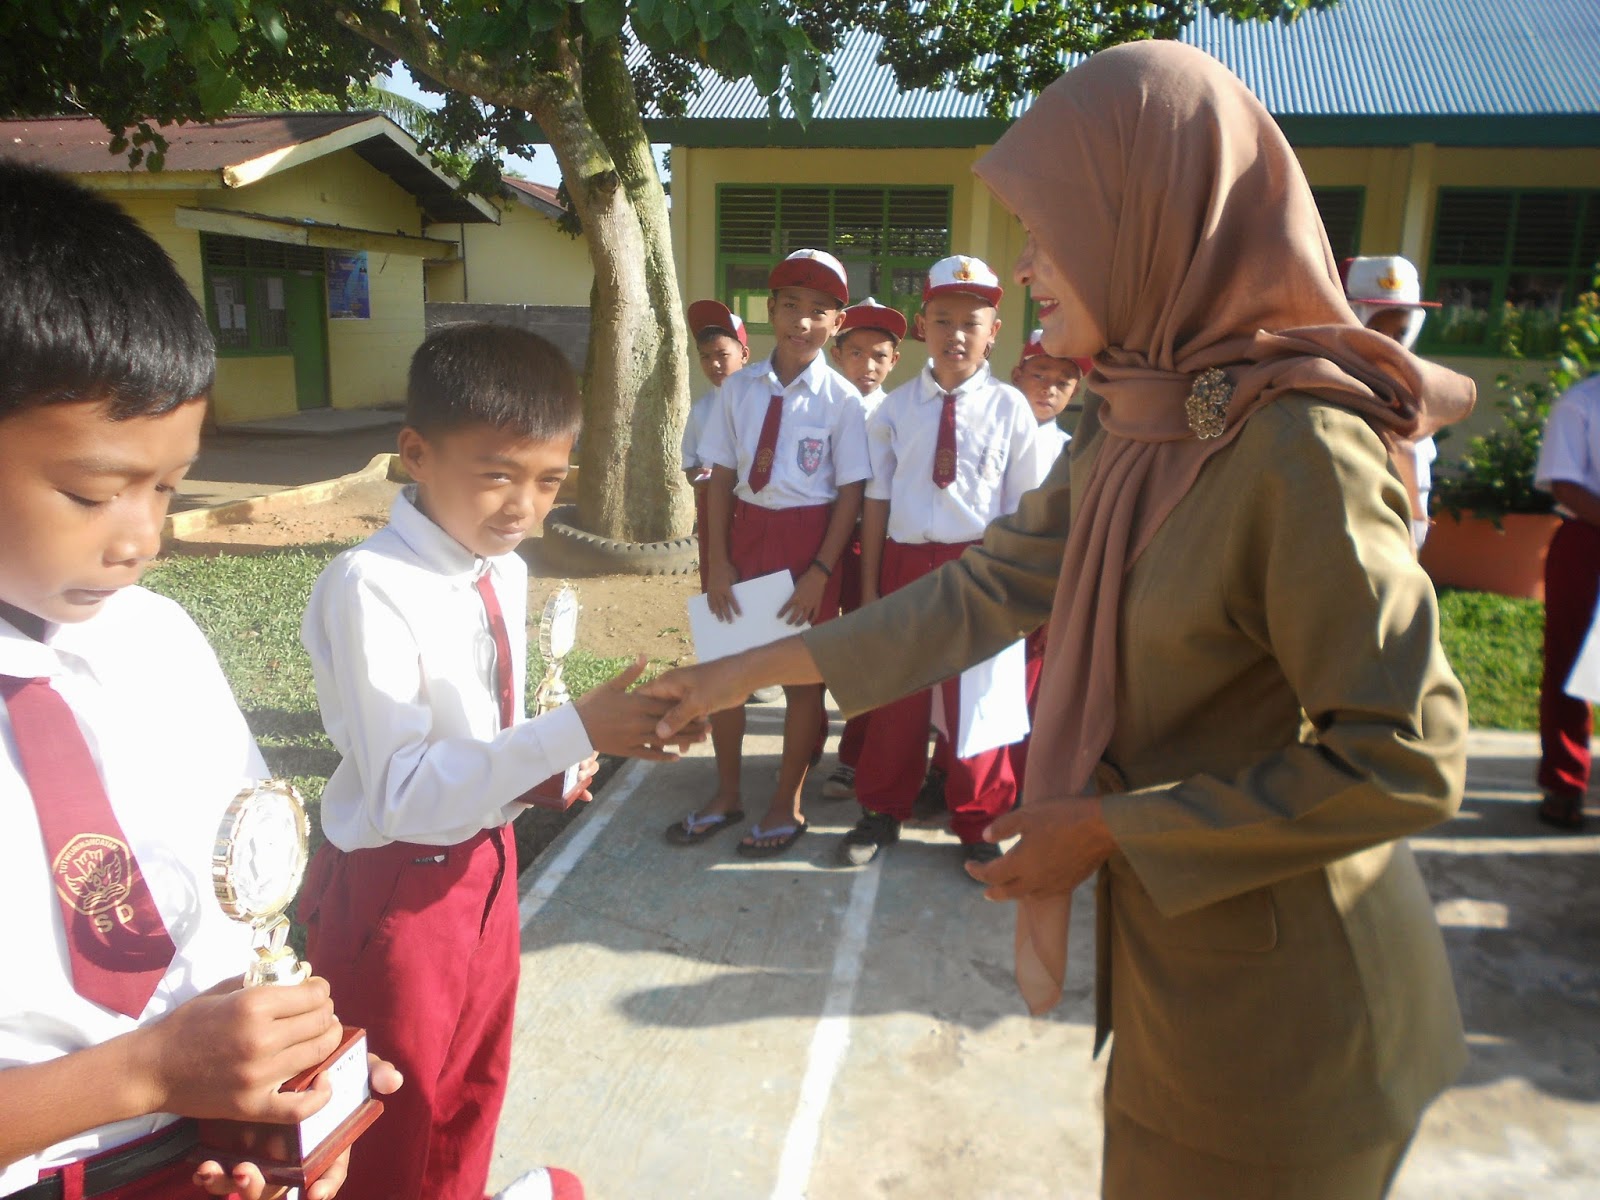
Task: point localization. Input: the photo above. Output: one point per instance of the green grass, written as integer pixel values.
(1495, 644)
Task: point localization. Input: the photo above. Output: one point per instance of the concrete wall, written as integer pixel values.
(523, 260)
(565, 325)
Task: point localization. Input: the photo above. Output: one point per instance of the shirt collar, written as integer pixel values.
(436, 549)
(932, 391)
(84, 641)
(810, 379)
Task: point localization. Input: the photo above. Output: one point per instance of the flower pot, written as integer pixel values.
(1470, 552)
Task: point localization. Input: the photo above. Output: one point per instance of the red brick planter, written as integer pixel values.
(1471, 553)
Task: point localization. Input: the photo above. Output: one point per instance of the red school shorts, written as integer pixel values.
(764, 540)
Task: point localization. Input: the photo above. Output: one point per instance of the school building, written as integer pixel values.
(316, 243)
(1460, 133)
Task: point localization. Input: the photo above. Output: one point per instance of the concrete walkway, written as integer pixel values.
(241, 462)
(692, 1024)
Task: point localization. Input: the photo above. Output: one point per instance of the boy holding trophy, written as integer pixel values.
(121, 1014)
(418, 642)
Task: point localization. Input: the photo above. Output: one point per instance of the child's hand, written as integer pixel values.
(586, 772)
(802, 605)
(622, 722)
(225, 1052)
(720, 578)
(246, 1180)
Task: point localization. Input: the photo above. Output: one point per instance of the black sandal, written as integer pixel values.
(1562, 812)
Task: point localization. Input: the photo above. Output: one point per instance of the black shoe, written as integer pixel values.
(930, 797)
(872, 833)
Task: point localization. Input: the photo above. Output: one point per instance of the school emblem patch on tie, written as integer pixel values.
(95, 874)
(809, 454)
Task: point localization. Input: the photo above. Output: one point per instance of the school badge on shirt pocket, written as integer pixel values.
(808, 453)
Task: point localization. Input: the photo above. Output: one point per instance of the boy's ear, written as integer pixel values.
(921, 328)
(833, 350)
(1016, 375)
(414, 450)
(744, 353)
(772, 307)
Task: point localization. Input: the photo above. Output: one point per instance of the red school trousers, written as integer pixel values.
(977, 789)
(1571, 582)
(421, 947)
(1034, 671)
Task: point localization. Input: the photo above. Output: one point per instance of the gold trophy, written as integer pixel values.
(558, 633)
(256, 866)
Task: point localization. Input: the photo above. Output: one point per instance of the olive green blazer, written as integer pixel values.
(1268, 958)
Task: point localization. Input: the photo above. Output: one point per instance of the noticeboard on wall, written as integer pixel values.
(348, 294)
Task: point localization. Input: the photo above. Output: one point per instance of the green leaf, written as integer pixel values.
(270, 21)
(223, 36)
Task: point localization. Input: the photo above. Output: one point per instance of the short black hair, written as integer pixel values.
(483, 373)
(91, 307)
(714, 331)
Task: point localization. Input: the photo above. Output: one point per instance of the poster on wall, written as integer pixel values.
(348, 298)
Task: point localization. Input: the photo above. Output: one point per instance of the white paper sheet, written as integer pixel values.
(757, 624)
(994, 703)
(1584, 679)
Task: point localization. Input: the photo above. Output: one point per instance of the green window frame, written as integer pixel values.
(245, 292)
(886, 237)
(1342, 210)
(1504, 264)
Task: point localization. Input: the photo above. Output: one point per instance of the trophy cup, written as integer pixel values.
(256, 866)
(558, 633)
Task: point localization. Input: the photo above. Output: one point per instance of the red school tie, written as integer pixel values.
(117, 945)
(767, 447)
(502, 650)
(944, 455)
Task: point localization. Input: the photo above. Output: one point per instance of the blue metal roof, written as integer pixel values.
(1362, 59)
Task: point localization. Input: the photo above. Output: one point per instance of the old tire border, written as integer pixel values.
(569, 549)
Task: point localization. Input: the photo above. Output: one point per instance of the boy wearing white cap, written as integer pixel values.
(1386, 295)
(952, 450)
(724, 347)
(865, 350)
(787, 448)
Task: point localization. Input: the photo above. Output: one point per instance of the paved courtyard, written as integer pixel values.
(692, 1024)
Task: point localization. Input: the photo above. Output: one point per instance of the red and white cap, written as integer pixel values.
(869, 314)
(815, 269)
(1035, 347)
(1385, 280)
(713, 314)
(958, 273)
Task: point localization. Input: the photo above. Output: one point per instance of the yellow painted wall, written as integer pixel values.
(523, 260)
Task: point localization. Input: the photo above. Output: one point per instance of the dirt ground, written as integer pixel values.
(619, 614)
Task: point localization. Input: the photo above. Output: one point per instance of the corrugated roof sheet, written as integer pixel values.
(1364, 58)
(82, 145)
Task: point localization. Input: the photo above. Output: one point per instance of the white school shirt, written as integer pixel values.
(405, 670)
(822, 437)
(1052, 441)
(1426, 453)
(173, 751)
(694, 428)
(999, 456)
(1571, 450)
(871, 400)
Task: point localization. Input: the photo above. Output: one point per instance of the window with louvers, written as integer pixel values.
(1505, 264)
(245, 289)
(886, 237)
(1340, 208)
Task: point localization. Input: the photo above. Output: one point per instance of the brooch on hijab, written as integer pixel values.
(1207, 405)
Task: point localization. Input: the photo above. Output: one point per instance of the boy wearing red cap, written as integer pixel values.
(1048, 384)
(951, 451)
(724, 347)
(865, 350)
(787, 448)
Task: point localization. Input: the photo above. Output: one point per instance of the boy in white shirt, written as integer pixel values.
(724, 347)
(1048, 384)
(121, 747)
(951, 451)
(865, 350)
(1385, 293)
(418, 642)
(788, 454)
(1569, 469)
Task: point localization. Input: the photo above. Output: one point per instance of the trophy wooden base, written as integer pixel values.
(553, 792)
(298, 1155)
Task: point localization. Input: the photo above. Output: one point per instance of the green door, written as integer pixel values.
(308, 337)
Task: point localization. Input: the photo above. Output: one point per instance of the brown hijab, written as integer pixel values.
(1168, 198)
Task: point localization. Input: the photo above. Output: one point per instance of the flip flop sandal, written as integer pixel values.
(1563, 812)
(788, 835)
(695, 829)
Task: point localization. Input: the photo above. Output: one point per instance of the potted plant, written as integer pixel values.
(1492, 525)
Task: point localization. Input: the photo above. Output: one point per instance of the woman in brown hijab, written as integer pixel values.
(1245, 708)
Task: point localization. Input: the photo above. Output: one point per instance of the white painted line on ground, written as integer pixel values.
(621, 786)
(830, 1041)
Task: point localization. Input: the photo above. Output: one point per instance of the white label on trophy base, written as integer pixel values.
(347, 1075)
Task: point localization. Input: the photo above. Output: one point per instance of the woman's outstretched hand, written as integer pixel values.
(1063, 842)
